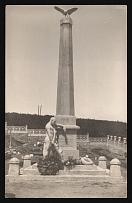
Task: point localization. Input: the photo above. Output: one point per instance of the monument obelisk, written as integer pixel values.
(65, 113)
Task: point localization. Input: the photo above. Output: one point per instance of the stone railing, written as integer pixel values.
(83, 141)
(16, 129)
(23, 129)
(116, 145)
(35, 132)
(98, 139)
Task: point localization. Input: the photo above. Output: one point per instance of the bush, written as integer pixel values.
(48, 165)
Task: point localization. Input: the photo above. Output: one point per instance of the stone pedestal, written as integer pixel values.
(14, 168)
(27, 161)
(115, 170)
(102, 162)
(69, 149)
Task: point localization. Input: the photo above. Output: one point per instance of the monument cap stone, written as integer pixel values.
(66, 20)
(14, 160)
(27, 157)
(102, 158)
(115, 162)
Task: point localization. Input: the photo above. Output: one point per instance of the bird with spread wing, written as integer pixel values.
(66, 12)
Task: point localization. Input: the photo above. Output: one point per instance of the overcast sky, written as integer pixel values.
(99, 60)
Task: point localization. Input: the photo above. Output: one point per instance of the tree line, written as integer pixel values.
(95, 128)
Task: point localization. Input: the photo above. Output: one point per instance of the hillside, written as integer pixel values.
(95, 128)
(14, 142)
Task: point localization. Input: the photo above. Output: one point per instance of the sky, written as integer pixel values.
(99, 35)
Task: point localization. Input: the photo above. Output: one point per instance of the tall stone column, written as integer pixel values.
(65, 113)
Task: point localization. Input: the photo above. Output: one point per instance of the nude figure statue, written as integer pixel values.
(52, 137)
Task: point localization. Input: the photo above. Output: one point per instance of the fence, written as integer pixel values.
(97, 139)
(83, 141)
(35, 132)
(116, 145)
(23, 129)
(16, 129)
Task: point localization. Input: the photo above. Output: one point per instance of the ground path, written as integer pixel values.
(41, 189)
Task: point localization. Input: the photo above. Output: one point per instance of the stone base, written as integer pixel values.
(80, 173)
(70, 152)
(14, 169)
(85, 172)
(68, 140)
(78, 169)
(85, 167)
(65, 178)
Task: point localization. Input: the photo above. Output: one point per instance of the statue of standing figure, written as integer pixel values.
(52, 137)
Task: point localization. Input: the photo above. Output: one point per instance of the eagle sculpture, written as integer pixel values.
(66, 12)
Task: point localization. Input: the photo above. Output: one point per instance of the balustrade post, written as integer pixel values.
(119, 140)
(108, 137)
(124, 145)
(124, 140)
(26, 128)
(114, 142)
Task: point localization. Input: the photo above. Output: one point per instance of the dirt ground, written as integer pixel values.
(40, 189)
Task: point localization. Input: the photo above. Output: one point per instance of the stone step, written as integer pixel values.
(64, 178)
(79, 169)
(82, 172)
(85, 167)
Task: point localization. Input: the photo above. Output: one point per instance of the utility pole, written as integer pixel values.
(38, 109)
